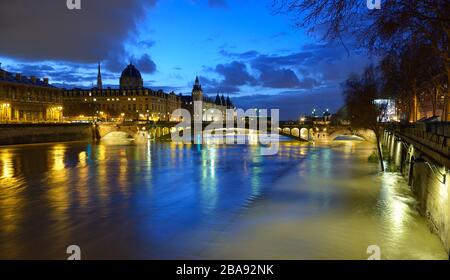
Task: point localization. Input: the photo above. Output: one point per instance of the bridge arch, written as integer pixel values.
(116, 135)
(287, 130)
(304, 133)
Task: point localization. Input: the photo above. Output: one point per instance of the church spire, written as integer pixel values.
(99, 78)
(197, 93)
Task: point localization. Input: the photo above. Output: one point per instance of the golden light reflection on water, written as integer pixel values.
(7, 165)
(11, 194)
(82, 184)
(82, 158)
(102, 177)
(58, 183)
(397, 209)
(57, 156)
(123, 171)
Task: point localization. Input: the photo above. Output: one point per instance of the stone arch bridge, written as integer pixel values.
(163, 129)
(134, 130)
(310, 132)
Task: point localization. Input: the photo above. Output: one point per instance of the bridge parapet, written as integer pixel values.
(433, 139)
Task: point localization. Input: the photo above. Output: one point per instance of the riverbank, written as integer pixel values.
(333, 206)
(16, 134)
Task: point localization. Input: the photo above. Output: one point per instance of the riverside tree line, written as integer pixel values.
(411, 40)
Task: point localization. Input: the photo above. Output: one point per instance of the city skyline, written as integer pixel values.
(278, 65)
(218, 131)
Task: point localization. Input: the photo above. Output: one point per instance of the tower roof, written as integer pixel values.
(131, 72)
(197, 86)
(99, 78)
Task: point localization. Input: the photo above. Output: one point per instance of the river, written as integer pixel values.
(173, 201)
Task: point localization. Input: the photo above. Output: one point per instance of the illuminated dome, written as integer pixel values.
(131, 78)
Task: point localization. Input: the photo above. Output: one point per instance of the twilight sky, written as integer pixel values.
(238, 48)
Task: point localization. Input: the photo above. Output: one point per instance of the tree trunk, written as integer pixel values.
(380, 154)
(447, 97)
(435, 100)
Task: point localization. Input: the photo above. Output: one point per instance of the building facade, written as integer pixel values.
(131, 101)
(28, 100)
(220, 103)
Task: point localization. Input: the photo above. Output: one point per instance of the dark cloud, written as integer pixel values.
(147, 43)
(217, 3)
(309, 83)
(67, 74)
(293, 59)
(145, 64)
(235, 74)
(242, 56)
(213, 86)
(278, 78)
(47, 30)
(313, 66)
(31, 69)
(292, 104)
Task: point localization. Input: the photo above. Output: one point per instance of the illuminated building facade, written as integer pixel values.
(220, 103)
(28, 100)
(132, 101)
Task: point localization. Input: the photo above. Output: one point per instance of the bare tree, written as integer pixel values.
(360, 95)
(398, 24)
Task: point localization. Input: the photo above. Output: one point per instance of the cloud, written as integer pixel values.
(243, 56)
(47, 30)
(278, 78)
(217, 3)
(147, 44)
(213, 86)
(145, 64)
(313, 66)
(235, 74)
(294, 103)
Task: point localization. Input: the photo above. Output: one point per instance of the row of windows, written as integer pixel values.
(28, 96)
(107, 93)
(131, 99)
(141, 107)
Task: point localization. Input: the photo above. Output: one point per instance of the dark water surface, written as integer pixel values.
(166, 200)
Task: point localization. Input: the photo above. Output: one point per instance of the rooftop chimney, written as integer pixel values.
(46, 81)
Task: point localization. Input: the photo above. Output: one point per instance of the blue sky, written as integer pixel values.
(238, 48)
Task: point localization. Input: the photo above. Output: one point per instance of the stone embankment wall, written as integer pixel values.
(421, 152)
(13, 134)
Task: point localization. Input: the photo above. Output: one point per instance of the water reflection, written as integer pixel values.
(170, 200)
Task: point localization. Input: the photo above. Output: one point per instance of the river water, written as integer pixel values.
(171, 201)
